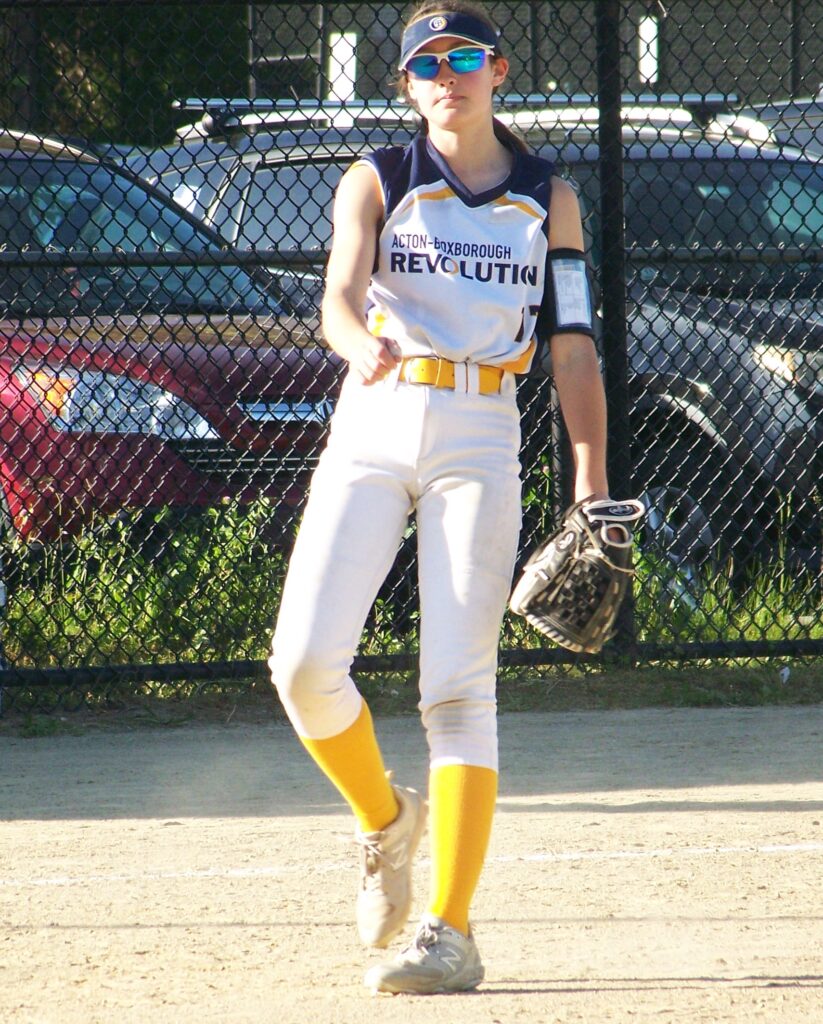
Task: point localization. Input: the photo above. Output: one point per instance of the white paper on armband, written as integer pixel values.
(572, 299)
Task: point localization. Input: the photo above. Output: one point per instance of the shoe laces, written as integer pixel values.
(427, 936)
(373, 859)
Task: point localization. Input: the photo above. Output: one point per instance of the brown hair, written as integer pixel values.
(431, 7)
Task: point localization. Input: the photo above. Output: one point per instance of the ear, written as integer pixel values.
(500, 69)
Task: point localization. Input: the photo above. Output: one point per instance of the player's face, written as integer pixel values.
(452, 96)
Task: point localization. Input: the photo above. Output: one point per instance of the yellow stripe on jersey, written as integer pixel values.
(520, 204)
(440, 193)
(437, 194)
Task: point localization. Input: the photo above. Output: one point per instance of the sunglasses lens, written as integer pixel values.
(424, 66)
(470, 58)
(427, 65)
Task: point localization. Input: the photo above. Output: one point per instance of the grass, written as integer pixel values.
(699, 685)
(208, 590)
(707, 684)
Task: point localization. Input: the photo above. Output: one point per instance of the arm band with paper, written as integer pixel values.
(568, 296)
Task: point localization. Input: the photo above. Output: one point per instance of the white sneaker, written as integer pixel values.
(440, 959)
(385, 896)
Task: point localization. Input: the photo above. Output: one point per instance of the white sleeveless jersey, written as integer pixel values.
(459, 275)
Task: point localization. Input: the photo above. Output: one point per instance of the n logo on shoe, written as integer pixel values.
(451, 958)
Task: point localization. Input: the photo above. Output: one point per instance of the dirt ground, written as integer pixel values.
(653, 865)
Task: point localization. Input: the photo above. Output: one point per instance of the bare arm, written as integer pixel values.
(358, 209)
(575, 365)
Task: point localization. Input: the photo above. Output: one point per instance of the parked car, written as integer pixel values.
(794, 122)
(725, 350)
(127, 382)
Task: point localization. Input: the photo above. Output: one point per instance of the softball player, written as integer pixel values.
(451, 259)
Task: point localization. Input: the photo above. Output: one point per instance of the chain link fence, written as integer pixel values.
(166, 174)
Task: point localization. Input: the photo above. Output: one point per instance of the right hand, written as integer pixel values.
(373, 358)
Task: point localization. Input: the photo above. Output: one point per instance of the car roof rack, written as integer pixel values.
(707, 112)
(713, 112)
(697, 103)
(698, 107)
(223, 116)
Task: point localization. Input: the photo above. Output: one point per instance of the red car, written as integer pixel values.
(147, 382)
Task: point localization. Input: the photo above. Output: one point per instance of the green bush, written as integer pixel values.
(207, 589)
(204, 589)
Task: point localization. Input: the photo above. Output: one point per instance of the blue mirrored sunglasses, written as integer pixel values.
(461, 60)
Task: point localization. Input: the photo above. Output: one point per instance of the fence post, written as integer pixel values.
(613, 267)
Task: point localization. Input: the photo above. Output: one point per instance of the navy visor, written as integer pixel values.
(436, 26)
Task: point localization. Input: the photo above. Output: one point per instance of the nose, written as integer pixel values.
(444, 64)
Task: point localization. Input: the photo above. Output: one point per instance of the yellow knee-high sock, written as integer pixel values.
(353, 763)
(461, 808)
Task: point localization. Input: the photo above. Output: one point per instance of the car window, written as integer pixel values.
(662, 204)
(65, 206)
(793, 207)
(289, 207)
(226, 211)
(723, 202)
(195, 186)
(71, 206)
(709, 203)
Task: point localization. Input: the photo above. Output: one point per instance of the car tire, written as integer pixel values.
(678, 535)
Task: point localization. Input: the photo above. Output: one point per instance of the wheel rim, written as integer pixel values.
(678, 532)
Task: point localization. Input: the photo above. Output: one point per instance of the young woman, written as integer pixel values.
(452, 258)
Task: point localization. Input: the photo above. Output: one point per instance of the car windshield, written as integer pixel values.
(696, 206)
(67, 206)
(768, 203)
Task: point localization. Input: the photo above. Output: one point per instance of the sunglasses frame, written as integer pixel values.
(488, 51)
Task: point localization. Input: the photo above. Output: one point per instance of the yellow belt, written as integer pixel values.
(442, 373)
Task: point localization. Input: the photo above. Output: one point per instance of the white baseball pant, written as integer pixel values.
(452, 456)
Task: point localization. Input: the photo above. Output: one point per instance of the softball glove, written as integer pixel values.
(573, 585)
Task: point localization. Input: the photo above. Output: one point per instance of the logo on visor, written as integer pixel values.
(438, 24)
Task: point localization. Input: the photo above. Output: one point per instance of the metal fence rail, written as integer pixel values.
(164, 390)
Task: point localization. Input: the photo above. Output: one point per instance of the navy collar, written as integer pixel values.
(472, 199)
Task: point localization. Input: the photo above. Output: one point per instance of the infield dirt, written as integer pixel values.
(651, 865)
